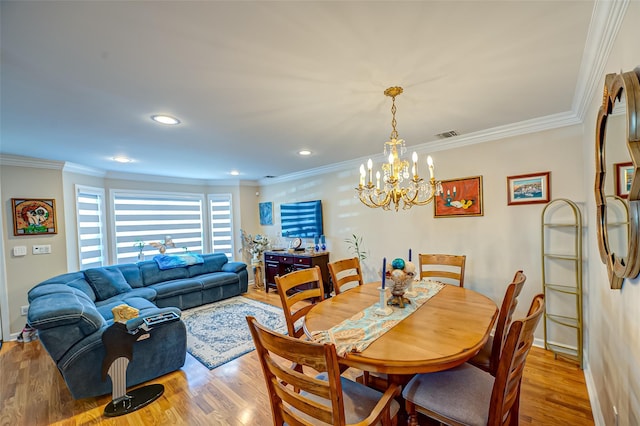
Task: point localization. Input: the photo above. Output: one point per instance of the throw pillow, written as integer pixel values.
(107, 282)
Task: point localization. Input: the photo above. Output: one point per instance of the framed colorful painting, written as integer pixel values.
(533, 188)
(623, 178)
(459, 197)
(34, 216)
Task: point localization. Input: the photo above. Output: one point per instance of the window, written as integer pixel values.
(154, 216)
(90, 220)
(221, 224)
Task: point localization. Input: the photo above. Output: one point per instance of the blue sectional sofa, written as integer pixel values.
(71, 311)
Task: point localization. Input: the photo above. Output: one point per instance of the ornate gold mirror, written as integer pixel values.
(618, 197)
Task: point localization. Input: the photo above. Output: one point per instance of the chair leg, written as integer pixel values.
(412, 415)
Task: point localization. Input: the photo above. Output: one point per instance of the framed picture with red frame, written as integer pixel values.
(623, 179)
(460, 197)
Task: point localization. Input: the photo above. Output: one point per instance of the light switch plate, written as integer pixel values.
(20, 251)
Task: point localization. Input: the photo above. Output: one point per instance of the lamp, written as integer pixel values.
(417, 192)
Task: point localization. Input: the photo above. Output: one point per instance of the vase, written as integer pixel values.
(398, 288)
(140, 257)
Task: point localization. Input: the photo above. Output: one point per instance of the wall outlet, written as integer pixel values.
(24, 310)
(45, 249)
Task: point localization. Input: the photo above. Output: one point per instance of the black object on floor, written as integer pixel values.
(134, 400)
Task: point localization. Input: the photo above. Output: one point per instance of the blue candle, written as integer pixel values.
(322, 240)
(409, 255)
(384, 270)
(316, 240)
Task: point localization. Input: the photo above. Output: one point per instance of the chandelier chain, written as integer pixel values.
(394, 132)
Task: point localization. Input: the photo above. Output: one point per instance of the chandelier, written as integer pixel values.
(415, 192)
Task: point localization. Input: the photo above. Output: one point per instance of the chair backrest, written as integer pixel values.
(509, 304)
(320, 357)
(298, 290)
(506, 387)
(444, 266)
(344, 272)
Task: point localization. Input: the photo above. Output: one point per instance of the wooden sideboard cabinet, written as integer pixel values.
(282, 262)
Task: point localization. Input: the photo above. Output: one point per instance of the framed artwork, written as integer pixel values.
(460, 197)
(533, 188)
(34, 216)
(623, 178)
(266, 213)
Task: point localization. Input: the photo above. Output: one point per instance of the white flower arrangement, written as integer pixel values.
(254, 245)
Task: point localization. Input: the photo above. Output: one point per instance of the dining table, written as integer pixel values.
(444, 332)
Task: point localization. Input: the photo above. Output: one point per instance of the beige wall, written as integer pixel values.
(24, 272)
(613, 318)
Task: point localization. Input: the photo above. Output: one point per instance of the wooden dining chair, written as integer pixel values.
(466, 395)
(447, 267)
(301, 399)
(345, 272)
(298, 291)
(489, 356)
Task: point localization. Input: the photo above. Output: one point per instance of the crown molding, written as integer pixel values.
(605, 23)
(83, 170)
(535, 125)
(14, 160)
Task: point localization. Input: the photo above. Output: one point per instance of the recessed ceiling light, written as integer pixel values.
(234, 173)
(122, 159)
(165, 119)
(304, 152)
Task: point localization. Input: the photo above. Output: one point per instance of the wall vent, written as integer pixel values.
(449, 134)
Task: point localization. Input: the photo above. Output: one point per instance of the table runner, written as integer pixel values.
(355, 334)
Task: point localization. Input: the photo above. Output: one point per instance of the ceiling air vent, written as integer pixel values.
(449, 134)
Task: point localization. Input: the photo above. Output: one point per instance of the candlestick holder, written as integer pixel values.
(383, 309)
(410, 292)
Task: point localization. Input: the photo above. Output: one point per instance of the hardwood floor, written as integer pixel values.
(32, 392)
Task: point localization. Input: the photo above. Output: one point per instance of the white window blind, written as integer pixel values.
(90, 221)
(152, 217)
(221, 224)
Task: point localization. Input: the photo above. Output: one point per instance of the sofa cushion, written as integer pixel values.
(107, 282)
(213, 262)
(59, 309)
(176, 287)
(142, 305)
(144, 292)
(132, 274)
(152, 274)
(217, 279)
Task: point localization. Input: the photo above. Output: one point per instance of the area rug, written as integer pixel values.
(218, 333)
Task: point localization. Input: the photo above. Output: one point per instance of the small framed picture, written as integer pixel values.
(623, 179)
(34, 216)
(266, 213)
(533, 188)
(459, 197)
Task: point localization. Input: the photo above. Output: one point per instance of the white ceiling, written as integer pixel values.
(256, 81)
